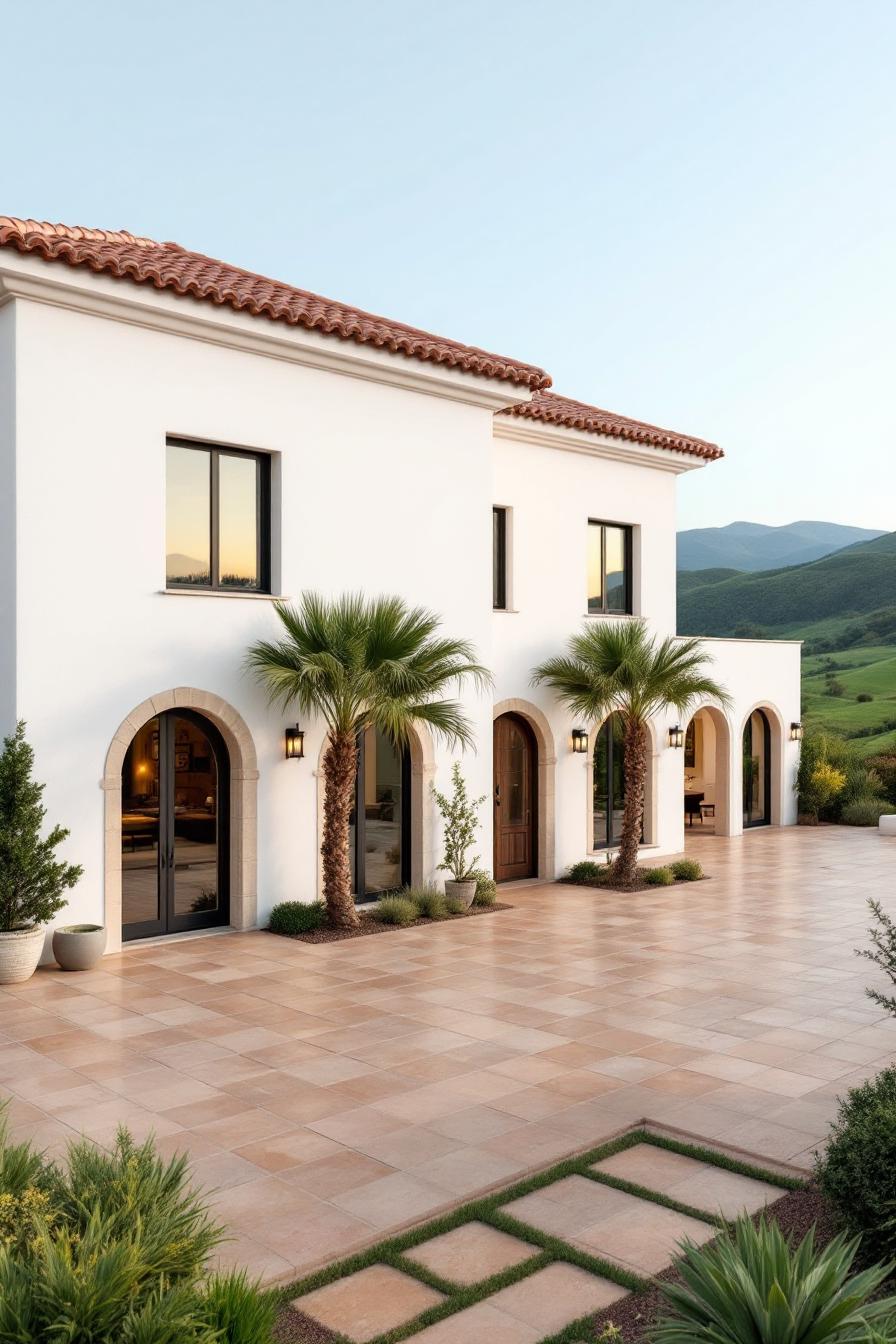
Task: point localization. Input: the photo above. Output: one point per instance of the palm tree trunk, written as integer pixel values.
(340, 775)
(634, 770)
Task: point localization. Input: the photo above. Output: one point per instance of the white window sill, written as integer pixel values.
(610, 616)
(222, 592)
(505, 611)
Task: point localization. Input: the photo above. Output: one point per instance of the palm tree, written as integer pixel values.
(621, 667)
(362, 662)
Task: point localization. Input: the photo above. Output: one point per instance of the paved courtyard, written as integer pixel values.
(333, 1093)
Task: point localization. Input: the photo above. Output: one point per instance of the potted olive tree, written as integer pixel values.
(459, 814)
(32, 880)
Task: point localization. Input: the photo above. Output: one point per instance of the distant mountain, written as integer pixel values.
(754, 546)
(853, 582)
(179, 566)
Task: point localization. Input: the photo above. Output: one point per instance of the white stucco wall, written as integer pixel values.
(7, 521)
(377, 485)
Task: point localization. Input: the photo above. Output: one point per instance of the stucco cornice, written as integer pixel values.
(594, 445)
(98, 296)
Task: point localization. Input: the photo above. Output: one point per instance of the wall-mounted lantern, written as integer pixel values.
(295, 743)
(579, 740)
(676, 736)
(796, 732)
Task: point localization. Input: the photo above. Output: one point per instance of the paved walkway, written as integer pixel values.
(335, 1092)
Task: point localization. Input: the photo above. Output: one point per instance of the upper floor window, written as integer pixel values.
(217, 518)
(499, 559)
(609, 568)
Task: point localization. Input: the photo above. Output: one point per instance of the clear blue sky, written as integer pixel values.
(684, 209)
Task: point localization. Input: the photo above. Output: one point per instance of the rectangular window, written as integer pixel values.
(499, 559)
(217, 518)
(609, 568)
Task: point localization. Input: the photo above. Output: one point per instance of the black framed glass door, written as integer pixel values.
(608, 784)
(175, 789)
(757, 769)
(380, 829)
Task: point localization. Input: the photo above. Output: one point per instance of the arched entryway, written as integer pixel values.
(175, 825)
(545, 761)
(180, 784)
(757, 769)
(707, 772)
(515, 757)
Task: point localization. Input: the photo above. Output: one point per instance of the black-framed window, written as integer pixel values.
(218, 518)
(499, 559)
(608, 782)
(609, 568)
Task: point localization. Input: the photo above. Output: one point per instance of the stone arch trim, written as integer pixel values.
(776, 726)
(423, 834)
(243, 802)
(546, 768)
(724, 818)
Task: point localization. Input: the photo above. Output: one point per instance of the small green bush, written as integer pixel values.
(857, 1171)
(686, 870)
(291, 917)
(882, 952)
(866, 812)
(486, 887)
(863, 698)
(584, 872)
(430, 902)
(753, 1286)
(111, 1247)
(658, 877)
(396, 910)
(455, 906)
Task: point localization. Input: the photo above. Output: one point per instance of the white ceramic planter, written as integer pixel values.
(19, 954)
(464, 891)
(78, 947)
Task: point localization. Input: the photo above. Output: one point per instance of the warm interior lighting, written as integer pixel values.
(676, 736)
(295, 743)
(579, 740)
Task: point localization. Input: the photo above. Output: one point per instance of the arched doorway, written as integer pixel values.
(757, 770)
(175, 813)
(515, 799)
(707, 770)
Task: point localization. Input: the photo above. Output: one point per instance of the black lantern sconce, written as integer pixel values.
(796, 732)
(295, 743)
(676, 736)
(579, 740)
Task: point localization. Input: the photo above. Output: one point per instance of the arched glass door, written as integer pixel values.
(608, 782)
(757, 769)
(381, 823)
(175, 806)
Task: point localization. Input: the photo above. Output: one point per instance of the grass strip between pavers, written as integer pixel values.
(547, 1249)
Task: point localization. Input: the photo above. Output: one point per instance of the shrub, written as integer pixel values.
(32, 879)
(486, 887)
(866, 812)
(658, 877)
(430, 902)
(863, 698)
(293, 917)
(832, 774)
(857, 1171)
(396, 910)
(825, 784)
(834, 687)
(753, 1287)
(112, 1246)
(460, 818)
(455, 906)
(882, 952)
(686, 870)
(583, 873)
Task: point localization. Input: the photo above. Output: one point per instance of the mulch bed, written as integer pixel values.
(635, 886)
(294, 1327)
(636, 1314)
(370, 925)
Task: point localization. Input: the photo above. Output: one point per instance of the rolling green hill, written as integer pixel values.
(844, 609)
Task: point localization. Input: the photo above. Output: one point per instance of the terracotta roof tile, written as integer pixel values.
(551, 409)
(169, 266)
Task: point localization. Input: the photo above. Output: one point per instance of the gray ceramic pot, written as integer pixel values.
(78, 947)
(464, 891)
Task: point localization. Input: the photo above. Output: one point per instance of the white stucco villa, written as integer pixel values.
(180, 443)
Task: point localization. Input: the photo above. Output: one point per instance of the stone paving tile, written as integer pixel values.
(431, 1027)
(690, 1181)
(645, 1237)
(556, 1295)
(368, 1303)
(471, 1252)
(479, 1323)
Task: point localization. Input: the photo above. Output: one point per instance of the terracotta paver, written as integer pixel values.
(700, 1184)
(519, 1037)
(368, 1303)
(471, 1252)
(481, 1322)
(552, 1297)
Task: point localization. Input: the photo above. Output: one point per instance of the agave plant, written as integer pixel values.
(753, 1287)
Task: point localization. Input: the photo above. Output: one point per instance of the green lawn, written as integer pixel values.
(867, 670)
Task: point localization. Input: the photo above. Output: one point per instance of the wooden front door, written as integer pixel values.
(515, 802)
